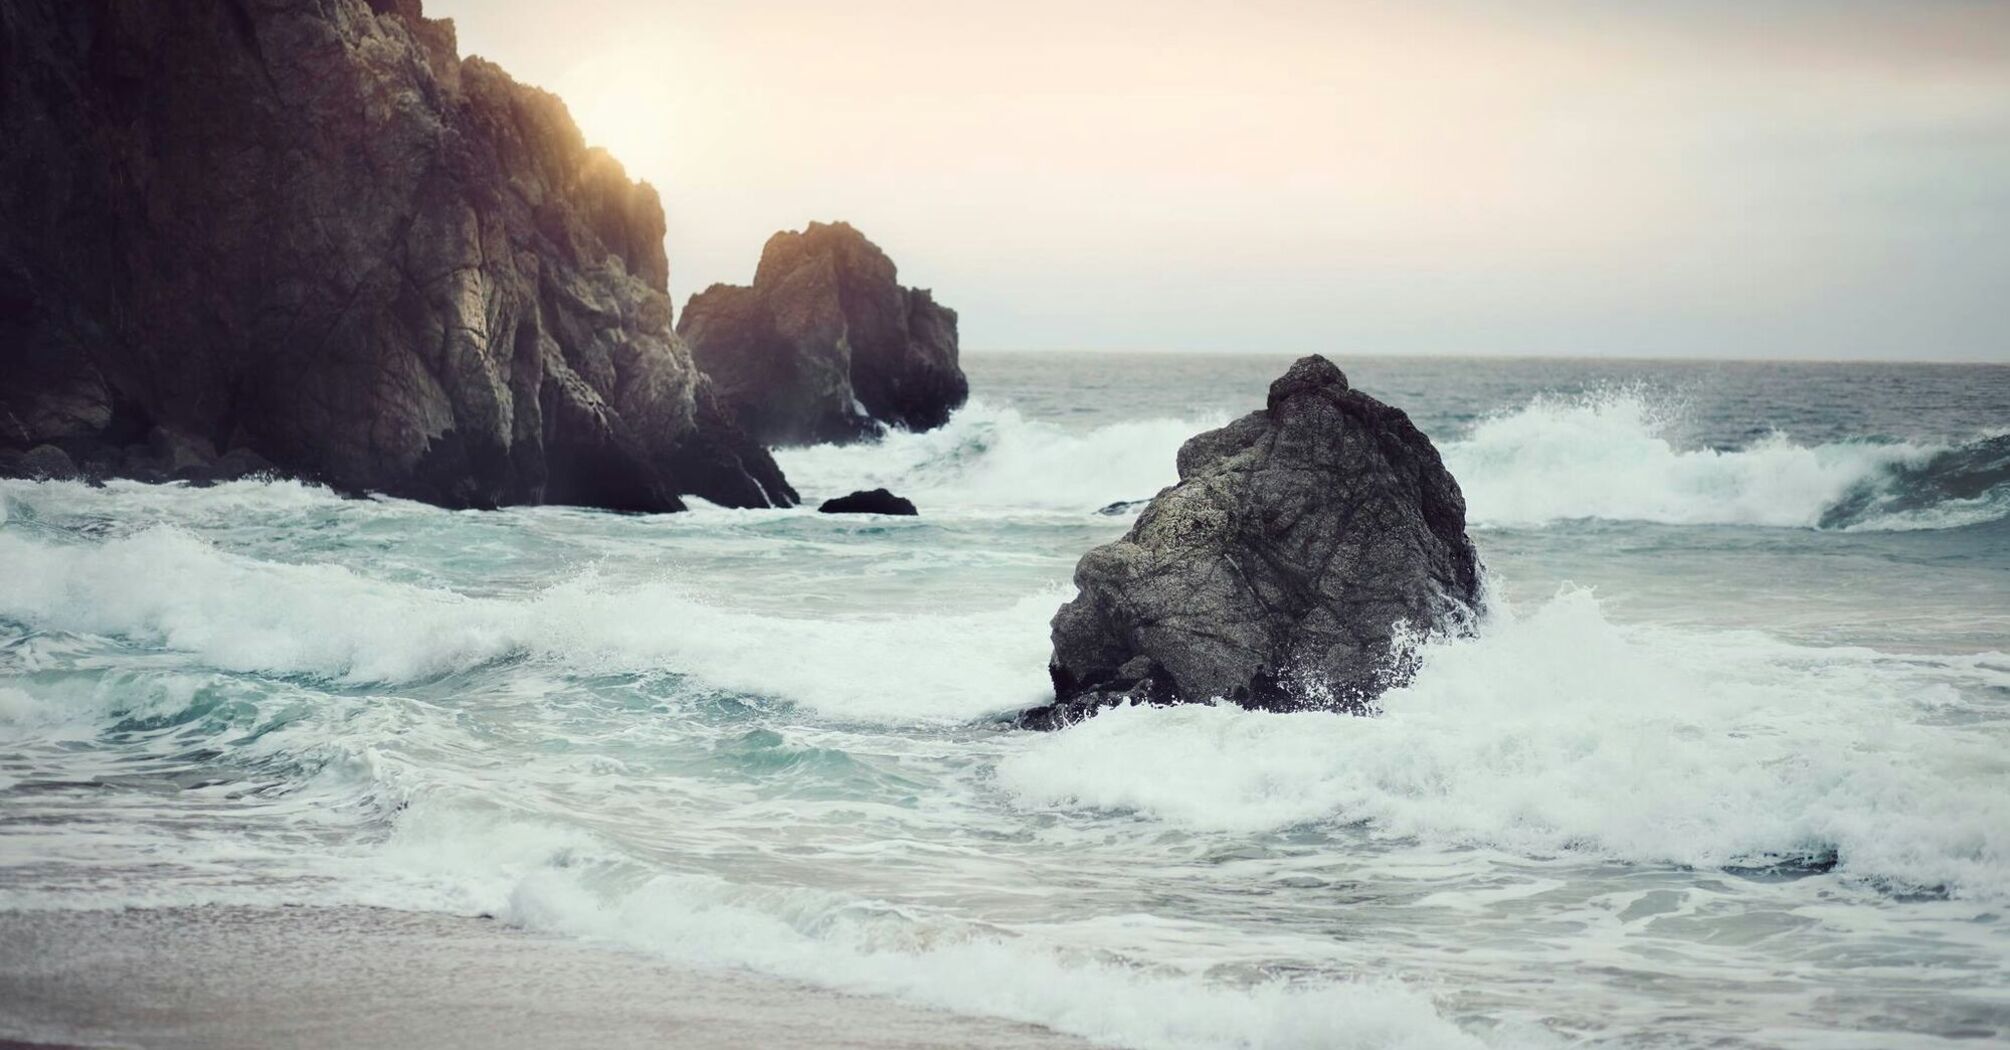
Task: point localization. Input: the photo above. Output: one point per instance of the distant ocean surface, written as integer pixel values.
(1728, 764)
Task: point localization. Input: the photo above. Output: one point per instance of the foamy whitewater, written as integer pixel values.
(1727, 765)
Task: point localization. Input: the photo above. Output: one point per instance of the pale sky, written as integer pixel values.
(1711, 178)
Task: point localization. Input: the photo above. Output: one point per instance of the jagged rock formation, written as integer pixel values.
(1277, 572)
(826, 345)
(310, 230)
(873, 501)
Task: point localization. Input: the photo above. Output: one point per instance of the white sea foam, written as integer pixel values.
(540, 785)
(1607, 455)
(143, 501)
(1610, 455)
(1560, 731)
(557, 879)
(990, 457)
(1992, 505)
(168, 587)
(17, 706)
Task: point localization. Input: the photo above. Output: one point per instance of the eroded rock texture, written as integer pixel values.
(308, 229)
(1277, 573)
(826, 345)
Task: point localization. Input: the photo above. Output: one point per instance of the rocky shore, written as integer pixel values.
(310, 235)
(308, 238)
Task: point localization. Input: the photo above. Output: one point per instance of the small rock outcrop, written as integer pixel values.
(876, 501)
(42, 463)
(307, 235)
(163, 455)
(826, 346)
(1281, 569)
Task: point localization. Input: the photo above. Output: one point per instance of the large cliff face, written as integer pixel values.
(826, 345)
(309, 228)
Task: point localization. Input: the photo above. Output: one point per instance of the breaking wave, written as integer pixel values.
(550, 878)
(1557, 730)
(759, 740)
(1597, 456)
(991, 458)
(166, 587)
(1610, 456)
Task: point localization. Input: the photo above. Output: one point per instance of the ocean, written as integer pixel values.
(1727, 763)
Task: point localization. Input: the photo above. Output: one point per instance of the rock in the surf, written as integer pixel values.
(309, 234)
(42, 463)
(875, 501)
(826, 346)
(1300, 545)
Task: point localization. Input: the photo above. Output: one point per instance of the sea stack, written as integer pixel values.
(1280, 572)
(826, 346)
(307, 235)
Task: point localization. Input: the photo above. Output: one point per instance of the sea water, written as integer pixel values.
(1727, 764)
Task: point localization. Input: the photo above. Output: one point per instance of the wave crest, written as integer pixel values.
(1559, 730)
(989, 457)
(1609, 456)
(165, 586)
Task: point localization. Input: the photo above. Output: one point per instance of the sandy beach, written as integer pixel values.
(232, 977)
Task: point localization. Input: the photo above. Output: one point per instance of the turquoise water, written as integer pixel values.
(1729, 764)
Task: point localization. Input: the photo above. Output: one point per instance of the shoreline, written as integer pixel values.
(228, 977)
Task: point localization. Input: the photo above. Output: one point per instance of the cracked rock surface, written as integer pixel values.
(1283, 569)
(310, 232)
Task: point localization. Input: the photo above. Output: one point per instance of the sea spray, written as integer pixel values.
(992, 458)
(1556, 730)
(1609, 454)
(165, 586)
(1678, 811)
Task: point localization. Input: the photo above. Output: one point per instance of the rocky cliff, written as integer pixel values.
(1284, 570)
(826, 345)
(310, 230)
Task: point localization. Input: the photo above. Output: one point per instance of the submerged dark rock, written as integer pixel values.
(1280, 570)
(164, 456)
(44, 463)
(307, 231)
(826, 346)
(875, 501)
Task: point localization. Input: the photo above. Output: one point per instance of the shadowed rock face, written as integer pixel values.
(1276, 573)
(826, 345)
(308, 229)
(872, 501)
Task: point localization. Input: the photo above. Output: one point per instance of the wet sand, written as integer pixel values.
(229, 977)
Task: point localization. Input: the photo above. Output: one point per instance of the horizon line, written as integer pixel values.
(1484, 355)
